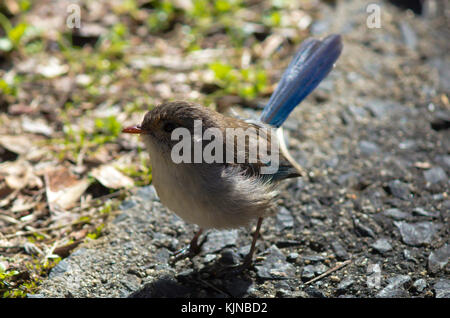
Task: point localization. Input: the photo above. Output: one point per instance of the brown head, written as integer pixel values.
(160, 122)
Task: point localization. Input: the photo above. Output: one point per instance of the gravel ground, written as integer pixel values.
(374, 138)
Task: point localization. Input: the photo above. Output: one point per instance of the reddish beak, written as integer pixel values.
(132, 130)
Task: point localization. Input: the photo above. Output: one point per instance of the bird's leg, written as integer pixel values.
(249, 257)
(194, 248)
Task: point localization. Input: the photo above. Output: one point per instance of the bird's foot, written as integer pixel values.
(193, 249)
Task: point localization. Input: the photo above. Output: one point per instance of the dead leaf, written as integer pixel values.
(52, 68)
(17, 144)
(112, 178)
(64, 251)
(37, 126)
(63, 189)
(19, 174)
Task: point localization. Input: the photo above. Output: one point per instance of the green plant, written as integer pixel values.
(14, 34)
(247, 83)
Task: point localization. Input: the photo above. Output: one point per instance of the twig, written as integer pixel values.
(328, 272)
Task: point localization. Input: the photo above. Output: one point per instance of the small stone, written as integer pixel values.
(368, 147)
(363, 230)
(313, 257)
(435, 175)
(345, 284)
(313, 292)
(423, 212)
(416, 234)
(399, 189)
(126, 205)
(438, 259)
(349, 179)
(442, 288)
(409, 35)
(285, 220)
(420, 284)
(339, 250)
(292, 257)
(373, 276)
(395, 288)
(275, 266)
(218, 240)
(335, 279)
(308, 273)
(147, 193)
(396, 214)
(409, 256)
(377, 108)
(320, 269)
(210, 257)
(382, 246)
(407, 144)
(60, 268)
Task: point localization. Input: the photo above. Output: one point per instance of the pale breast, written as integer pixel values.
(209, 195)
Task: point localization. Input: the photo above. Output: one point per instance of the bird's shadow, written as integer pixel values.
(216, 280)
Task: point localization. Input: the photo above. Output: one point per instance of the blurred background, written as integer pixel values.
(72, 73)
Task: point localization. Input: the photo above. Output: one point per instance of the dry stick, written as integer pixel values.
(328, 272)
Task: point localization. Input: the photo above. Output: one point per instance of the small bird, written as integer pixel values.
(227, 194)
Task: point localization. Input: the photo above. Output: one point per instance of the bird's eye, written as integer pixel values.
(169, 127)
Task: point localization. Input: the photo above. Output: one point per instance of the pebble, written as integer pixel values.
(284, 220)
(395, 288)
(409, 256)
(396, 214)
(407, 144)
(275, 265)
(435, 175)
(382, 245)
(292, 257)
(340, 251)
(308, 273)
(217, 240)
(420, 285)
(423, 212)
(368, 148)
(62, 267)
(362, 229)
(409, 35)
(377, 108)
(126, 205)
(438, 259)
(345, 284)
(147, 193)
(399, 189)
(314, 257)
(442, 288)
(416, 234)
(313, 292)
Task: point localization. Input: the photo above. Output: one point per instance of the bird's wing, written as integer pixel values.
(250, 159)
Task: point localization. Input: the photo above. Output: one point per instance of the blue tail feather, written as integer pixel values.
(311, 64)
